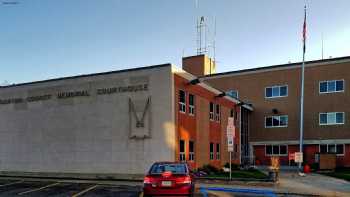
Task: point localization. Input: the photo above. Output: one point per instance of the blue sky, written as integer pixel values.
(43, 39)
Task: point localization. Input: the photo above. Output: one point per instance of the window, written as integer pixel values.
(276, 121)
(331, 118)
(276, 150)
(182, 101)
(191, 151)
(211, 111)
(217, 151)
(232, 112)
(217, 112)
(182, 151)
(332, 86)
(232, 93)
(276, 91)
(332, 148)
(211, 151)
(191, 104)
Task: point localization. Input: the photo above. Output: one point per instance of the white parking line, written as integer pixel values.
(84, 191)
(37, 189)
(11, 183)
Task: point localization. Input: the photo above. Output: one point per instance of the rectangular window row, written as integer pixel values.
(276, 91)
(276, 150)
(211, 154)
(331, 118)
(326, 118)
(282, 150)
(214, 112)
(182, 103)
(332, 148)
(276, 121)
(332, 86)
(182, 151)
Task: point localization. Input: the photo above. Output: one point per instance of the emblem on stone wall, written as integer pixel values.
(140, 118)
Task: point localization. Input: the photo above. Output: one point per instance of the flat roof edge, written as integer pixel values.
(87, 75)
(267, 68)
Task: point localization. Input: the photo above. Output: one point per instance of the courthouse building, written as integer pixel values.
(274, 92)
(115, 123)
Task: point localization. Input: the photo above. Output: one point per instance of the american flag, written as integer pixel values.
(304, 29)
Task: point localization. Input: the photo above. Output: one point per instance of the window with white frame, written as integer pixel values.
(276, 121)
(232, 93)
(331, 86)
(191, 103)
(331, 118)
(182, 150)
(276, 91)
(332, 148)
(211, 111)
(191, 151)
(182, 101)
(276, 150)
(211, 151)
(217, 112)
(217, 151)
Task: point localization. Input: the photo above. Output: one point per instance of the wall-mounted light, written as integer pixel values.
(221, 94)
(194, 81)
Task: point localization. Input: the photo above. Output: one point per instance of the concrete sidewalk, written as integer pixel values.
(314, 184)
(291, 183)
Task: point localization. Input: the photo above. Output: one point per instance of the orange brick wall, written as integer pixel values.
(199, 128)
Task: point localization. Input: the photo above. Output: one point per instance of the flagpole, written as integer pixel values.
(302, 92)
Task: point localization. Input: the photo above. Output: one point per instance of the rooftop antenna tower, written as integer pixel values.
(201, 36)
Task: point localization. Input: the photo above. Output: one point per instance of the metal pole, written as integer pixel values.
(230, 165)
(302, 99)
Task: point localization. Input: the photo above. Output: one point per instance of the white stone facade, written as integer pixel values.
(86, 124)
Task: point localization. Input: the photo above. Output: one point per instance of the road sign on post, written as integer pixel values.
(230, 133)
(298, 157)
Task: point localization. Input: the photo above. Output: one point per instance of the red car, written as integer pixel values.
(168, 178)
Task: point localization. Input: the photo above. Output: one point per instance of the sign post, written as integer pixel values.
(230, 131)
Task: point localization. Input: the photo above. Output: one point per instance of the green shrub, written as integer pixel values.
(233, 166)
(209, 169)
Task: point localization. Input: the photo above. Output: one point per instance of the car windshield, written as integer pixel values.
(164, 167)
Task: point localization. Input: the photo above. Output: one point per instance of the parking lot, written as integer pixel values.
(36, 188)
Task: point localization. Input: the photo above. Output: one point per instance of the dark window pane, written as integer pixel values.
(211, 147)
(268, 150)
(283, 91)
(268, 92)
(331, 148)
(339, 85)
(231, 113)
(211, 107)
(283, 150)
(284, 120)
(182, 146)
(191, 99)
(340, 118)
(323, 87)
(232, 93)
(268, 122)
(191, 146)
(275, 150)
(182, 96)
(323, 148)
(217, 148)
(275, 91)
(323, 118)
(275, 121)
(217, 109)
(331, 86)
(340, 149)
